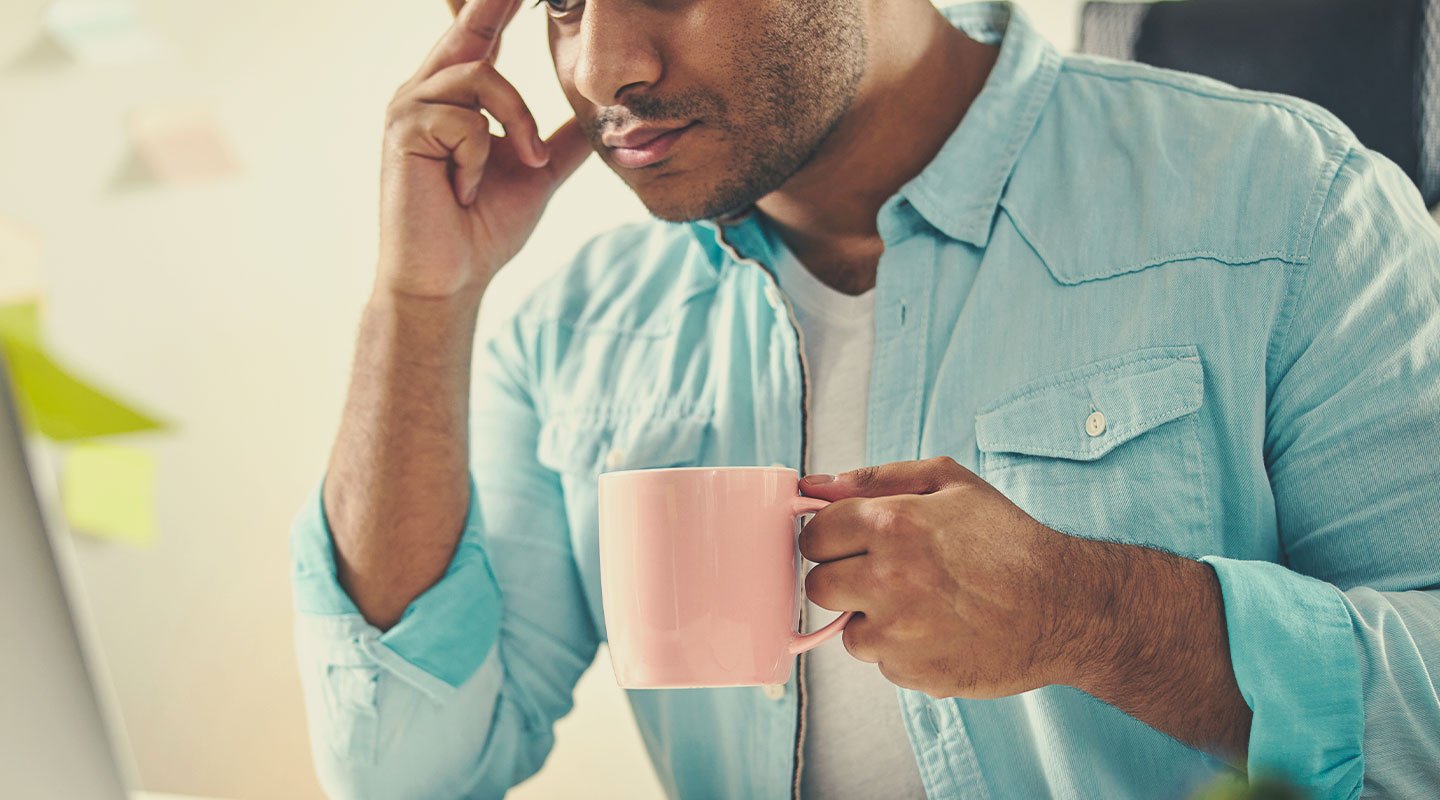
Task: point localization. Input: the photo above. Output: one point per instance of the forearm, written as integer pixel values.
(396, 489)
(1155, 645)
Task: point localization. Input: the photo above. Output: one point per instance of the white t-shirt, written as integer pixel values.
(855, 742)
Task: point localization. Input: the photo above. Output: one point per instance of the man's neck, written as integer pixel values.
(909, 102)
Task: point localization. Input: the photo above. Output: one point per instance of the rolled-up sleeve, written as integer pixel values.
(1334, 649)
(459, 697)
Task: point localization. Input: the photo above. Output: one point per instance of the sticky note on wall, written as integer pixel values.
(52, 400)
(108, 491)
(180, 143)
(101, 31)
(20, 248)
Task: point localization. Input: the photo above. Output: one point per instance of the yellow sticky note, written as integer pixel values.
(60, 405)
(109, 491)
(21, 321)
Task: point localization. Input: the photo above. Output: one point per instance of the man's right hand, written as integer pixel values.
(456, 201)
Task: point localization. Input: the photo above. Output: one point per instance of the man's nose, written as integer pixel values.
(615, 53)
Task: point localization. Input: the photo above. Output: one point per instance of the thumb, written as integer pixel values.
(568, 149)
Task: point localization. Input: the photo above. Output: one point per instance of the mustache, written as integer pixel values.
(645, 108)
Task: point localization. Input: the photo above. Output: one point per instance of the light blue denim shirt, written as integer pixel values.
(1249, 296)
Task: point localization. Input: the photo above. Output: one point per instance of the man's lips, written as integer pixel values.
(638, 135)
(638, 147)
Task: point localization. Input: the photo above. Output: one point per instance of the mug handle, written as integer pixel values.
(800, 642)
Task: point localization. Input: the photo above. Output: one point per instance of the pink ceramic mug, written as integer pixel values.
(700, 575)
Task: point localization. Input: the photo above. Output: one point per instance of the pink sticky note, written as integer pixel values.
(181, 143)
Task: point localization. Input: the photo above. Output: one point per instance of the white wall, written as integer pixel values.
(231, 308)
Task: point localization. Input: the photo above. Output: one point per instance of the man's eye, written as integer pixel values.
(560, 8)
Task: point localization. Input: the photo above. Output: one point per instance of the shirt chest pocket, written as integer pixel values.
(1110, 449)
(580, 446)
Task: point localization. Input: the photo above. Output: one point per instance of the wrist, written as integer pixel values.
(423, 330)
(1132, 615)
(1088, 612)
(457, 302)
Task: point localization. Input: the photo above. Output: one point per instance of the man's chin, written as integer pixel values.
(687, 204)
(675, 212)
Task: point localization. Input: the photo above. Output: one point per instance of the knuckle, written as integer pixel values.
(907, 628)
(902, 513)
(898, 514)
(398, 125)
(398, 108)
(888, 572)
(478, 70)
(882, 514)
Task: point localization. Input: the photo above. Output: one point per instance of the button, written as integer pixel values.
(772, 294)
(615, 458)
(1095, 423)
(774, 691)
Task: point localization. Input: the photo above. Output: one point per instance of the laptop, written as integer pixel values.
(60, 735)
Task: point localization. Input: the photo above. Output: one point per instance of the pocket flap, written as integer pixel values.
(1134, 392)
(594, 444)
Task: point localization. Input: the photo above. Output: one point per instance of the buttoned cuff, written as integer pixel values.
(1294, 652)
(445, 632)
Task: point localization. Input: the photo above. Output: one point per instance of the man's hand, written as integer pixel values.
(458, 201)
(960, 593)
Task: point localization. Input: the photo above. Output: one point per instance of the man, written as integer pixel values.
(1131, 380)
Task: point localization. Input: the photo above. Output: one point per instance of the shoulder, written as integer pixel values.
(1130, 166)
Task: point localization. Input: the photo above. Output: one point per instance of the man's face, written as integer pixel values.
(759, 83)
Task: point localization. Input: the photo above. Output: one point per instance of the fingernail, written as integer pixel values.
(470, 195)
(818, 477)
(541, 152)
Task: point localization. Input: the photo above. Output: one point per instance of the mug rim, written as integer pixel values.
(604, 475)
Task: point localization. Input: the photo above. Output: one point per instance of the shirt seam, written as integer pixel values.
(1295, 288)
(1236, 94)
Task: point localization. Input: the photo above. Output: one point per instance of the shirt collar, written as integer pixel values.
(959, 190)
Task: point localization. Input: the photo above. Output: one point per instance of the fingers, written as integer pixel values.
(471, 155)
(477, 85)
(844, 585)
(472, 36)
(568, 149)
(446, 132)
(897, 477)
(833, 533)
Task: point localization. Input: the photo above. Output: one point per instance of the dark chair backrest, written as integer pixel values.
(1375, 64)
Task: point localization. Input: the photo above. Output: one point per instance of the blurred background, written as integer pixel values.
(190, 193)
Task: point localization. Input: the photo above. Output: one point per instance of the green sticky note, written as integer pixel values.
(108, 491)
(20, 321)
(60, 405)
